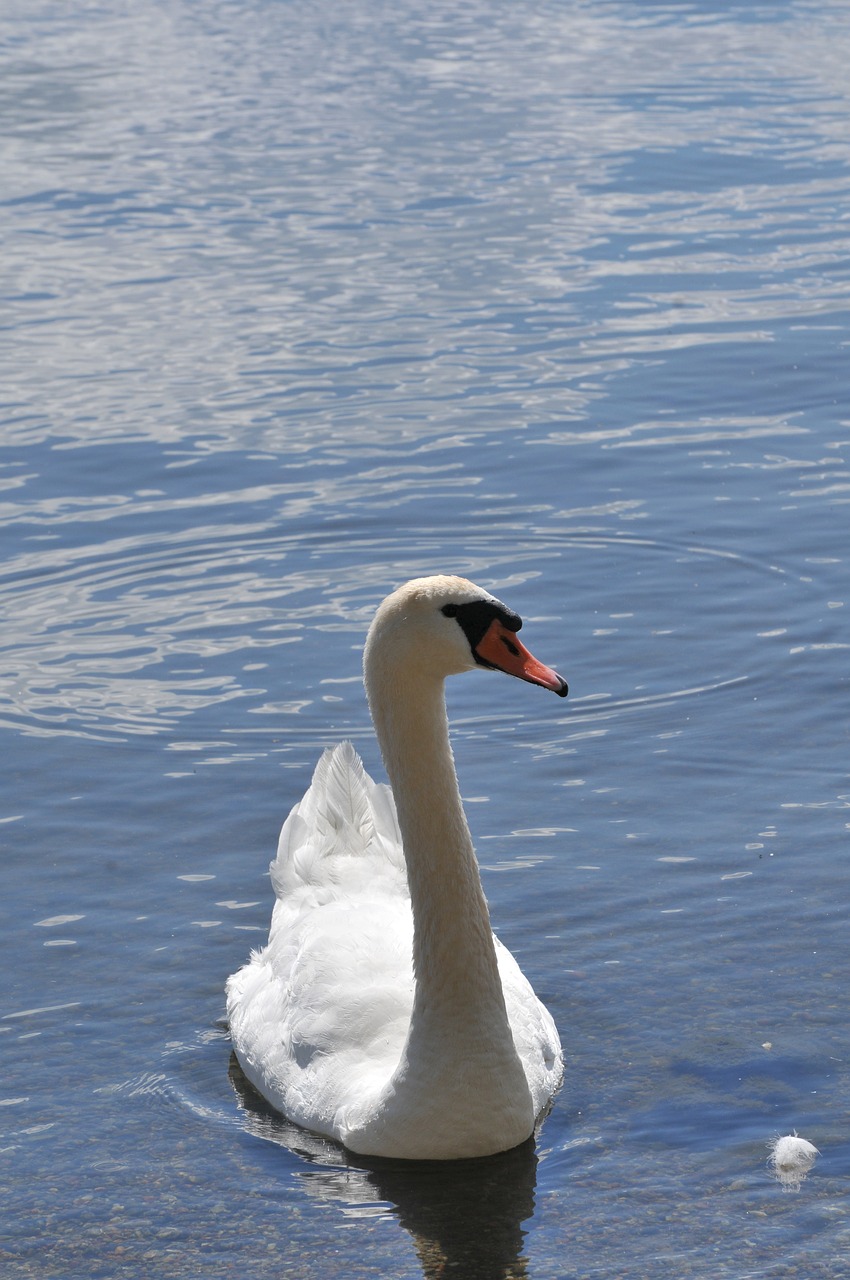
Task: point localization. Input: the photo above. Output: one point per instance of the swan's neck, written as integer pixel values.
(459, 1086)
(457, 980)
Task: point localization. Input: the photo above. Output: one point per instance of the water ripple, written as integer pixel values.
(131, 635)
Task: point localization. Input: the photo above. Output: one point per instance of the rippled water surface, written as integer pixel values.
(301, 301)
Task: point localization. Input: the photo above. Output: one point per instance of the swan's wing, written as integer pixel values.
(534, 1031)
(342, 835)
(318, 1017)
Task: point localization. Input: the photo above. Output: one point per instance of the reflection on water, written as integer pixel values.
(374, 230)
(464, 1216)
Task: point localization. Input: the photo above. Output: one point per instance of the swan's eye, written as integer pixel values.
(450, 610)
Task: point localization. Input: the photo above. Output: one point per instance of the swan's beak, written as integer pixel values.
(500, 648)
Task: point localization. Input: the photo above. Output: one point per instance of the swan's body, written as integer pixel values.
(383, 1012)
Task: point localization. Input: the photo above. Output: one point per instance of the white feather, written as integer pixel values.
(791, 1159)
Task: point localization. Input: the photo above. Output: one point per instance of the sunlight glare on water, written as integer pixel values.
(300, 303)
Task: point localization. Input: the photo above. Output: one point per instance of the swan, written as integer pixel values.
(383, 1012)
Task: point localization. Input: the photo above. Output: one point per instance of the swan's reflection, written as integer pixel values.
(464, 1216)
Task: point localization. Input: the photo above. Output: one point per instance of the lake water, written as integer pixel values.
(302, 301)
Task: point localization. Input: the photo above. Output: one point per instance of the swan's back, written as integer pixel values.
(319, 1016)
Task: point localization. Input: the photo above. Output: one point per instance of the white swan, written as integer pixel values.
(383, 1012)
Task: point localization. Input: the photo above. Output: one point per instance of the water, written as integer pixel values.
(299, 303)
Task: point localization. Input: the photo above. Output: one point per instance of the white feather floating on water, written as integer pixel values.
(791, 1159)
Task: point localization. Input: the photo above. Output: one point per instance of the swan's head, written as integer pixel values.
(444, 625)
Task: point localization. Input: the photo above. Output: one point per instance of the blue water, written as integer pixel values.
(301, 301)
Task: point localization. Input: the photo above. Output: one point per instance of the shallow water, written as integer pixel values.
(301, 303)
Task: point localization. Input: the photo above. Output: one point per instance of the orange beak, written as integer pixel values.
(500, 648)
